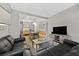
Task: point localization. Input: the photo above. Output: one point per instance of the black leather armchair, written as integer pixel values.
(12, 47)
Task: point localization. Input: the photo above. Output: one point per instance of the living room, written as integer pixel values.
(42, 29)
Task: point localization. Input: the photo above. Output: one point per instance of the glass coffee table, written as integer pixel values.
(42, 44)
(37, 43)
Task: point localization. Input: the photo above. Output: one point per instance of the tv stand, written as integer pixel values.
(59, 38)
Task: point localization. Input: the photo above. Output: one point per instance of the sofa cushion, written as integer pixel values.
(19, 45)
(59, 50)
(74, 51)
(4, 45)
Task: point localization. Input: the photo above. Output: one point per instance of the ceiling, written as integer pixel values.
(41, 9)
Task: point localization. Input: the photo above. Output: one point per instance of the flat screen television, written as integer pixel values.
(60, 30)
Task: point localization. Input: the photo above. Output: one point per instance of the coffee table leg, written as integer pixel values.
(36, 47)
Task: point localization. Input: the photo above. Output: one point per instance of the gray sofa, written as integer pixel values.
(12, 47)
(74, 51)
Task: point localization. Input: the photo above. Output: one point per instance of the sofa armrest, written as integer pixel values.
(19, 39)
(70, 42)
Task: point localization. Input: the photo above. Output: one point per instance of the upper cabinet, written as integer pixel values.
(4, 16)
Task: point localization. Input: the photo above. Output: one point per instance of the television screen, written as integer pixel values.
(60, 30)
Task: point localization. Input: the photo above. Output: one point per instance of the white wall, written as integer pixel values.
(15, 25)
(69, 18)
